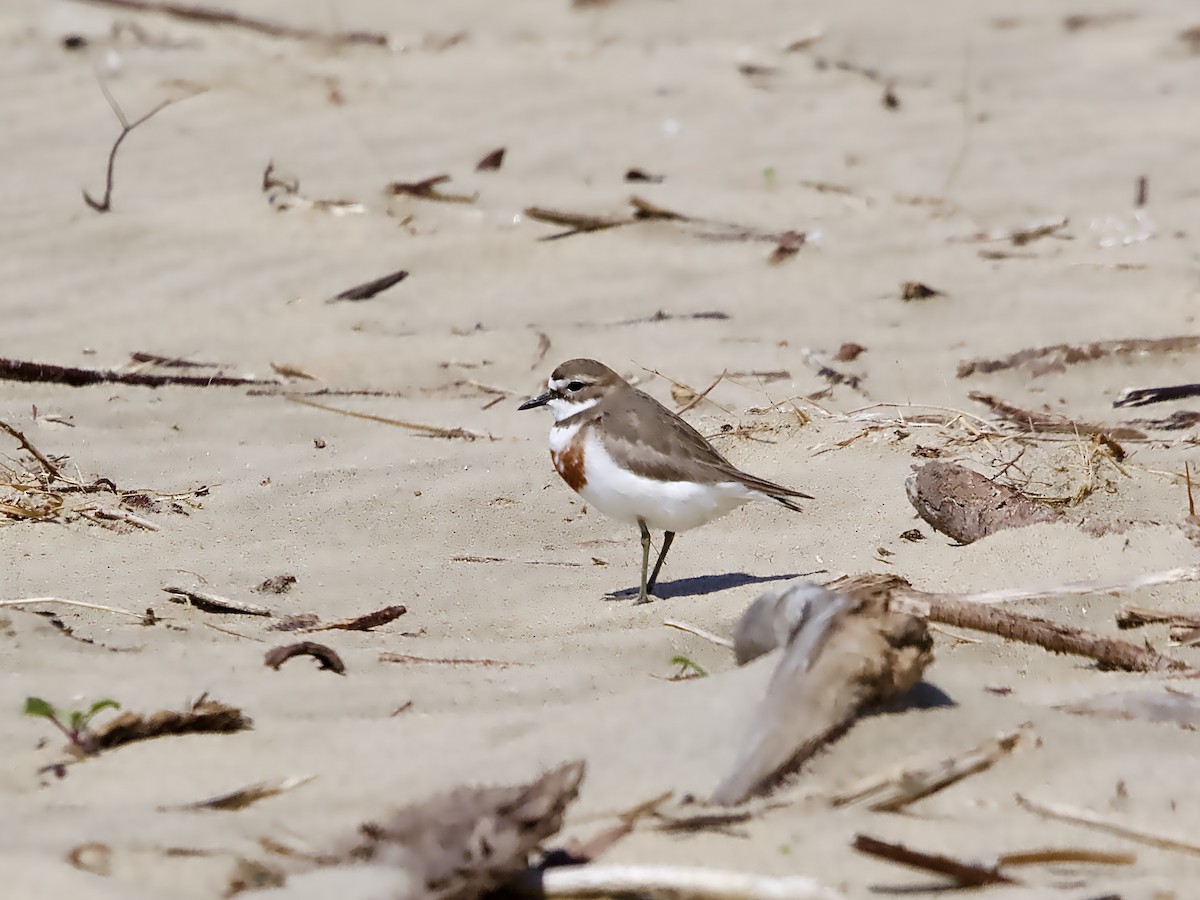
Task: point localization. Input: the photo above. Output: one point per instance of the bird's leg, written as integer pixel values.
(644, 594)
(668, 536)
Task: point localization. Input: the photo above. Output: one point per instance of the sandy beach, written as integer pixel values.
(991, 152)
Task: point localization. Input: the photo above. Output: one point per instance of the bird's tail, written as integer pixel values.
(791, 504)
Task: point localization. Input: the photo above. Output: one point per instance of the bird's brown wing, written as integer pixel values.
(676, 452)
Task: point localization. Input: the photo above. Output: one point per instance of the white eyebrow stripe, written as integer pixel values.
(560, 383)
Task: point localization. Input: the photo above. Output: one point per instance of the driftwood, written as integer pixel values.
(459, 845)
(841, 656)
(967, 506)
(954, 610)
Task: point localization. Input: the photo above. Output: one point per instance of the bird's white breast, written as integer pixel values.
(664, 505)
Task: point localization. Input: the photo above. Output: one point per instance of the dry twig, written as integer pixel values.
(246, 796)
(699, 632)
(127, 128)
(79, 604)
(896, 789)
(50, 468)
(208, 16)
(210, 602)
(369, 289)
(965, 874)
(423, 430)
(427, 189)
(1089, 819)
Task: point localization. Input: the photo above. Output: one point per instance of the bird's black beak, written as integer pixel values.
(540, 400)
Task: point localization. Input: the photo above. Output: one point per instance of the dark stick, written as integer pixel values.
(964, 874)
(369, 289)
(261, 26)
(47, 373)
(126, 127)
(1146, 396)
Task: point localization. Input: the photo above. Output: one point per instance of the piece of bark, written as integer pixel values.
(462, 844)
(277, 656)
(1055, 358)
(202, 717)
(492, 161)
(365, 622)
(967, 506)
(916, 290)
(789, 245)
(841, 657)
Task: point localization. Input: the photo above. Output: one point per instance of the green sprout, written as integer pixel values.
(688, 668)
(768, 175)
(75, 725)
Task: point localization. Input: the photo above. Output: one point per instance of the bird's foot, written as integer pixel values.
(630, 594)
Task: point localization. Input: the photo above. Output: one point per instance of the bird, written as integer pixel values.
(637, 462)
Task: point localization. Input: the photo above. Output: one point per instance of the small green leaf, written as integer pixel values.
(101, 705)
(689, 665)
(77, 720)
(36, 706)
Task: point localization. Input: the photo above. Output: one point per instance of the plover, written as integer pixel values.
(636, 461)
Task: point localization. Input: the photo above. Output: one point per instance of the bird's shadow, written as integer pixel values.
(705, 584)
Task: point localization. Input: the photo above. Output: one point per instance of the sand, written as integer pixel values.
(1006, 117)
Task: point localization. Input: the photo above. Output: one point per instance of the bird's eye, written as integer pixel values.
(576, 386)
